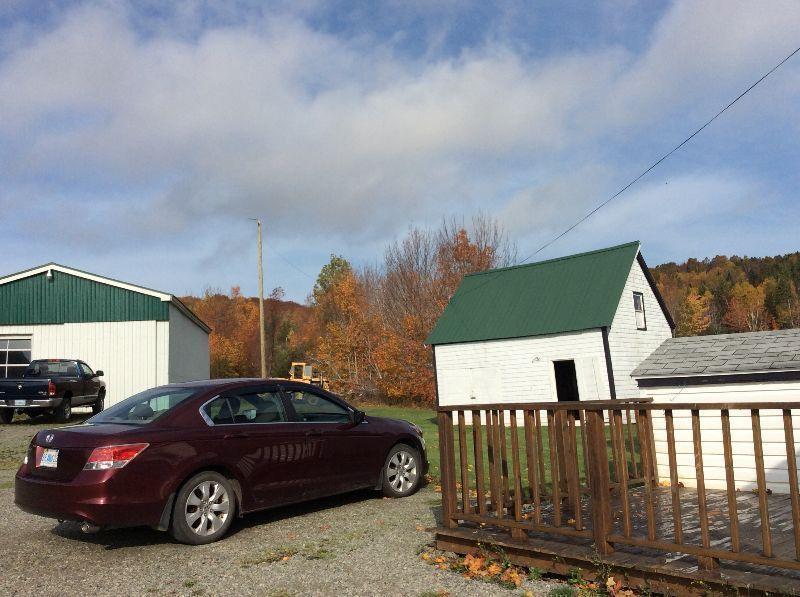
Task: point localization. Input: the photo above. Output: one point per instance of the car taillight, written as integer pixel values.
(51, 388)
(113, 456)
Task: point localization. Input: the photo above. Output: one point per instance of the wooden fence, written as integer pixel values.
(559, 469)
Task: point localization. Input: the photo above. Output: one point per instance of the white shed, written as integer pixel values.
(725, 368)
(572, 328)
(138, 337)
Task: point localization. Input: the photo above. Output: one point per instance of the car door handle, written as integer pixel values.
(235, 436)
(314, 433)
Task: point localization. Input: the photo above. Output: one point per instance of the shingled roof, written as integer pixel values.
(723, 354)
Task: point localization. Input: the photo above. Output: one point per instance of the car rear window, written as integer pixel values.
(144, 407)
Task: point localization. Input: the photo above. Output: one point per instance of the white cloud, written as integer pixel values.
(179, 128)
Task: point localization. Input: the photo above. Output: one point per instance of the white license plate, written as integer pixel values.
(20, 402)
(49, 458)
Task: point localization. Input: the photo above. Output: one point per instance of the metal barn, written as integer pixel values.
(138, 337)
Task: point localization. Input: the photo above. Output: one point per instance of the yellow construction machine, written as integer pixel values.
(307, 373)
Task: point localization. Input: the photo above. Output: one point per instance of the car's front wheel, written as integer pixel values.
(204, 509)
(402, 472)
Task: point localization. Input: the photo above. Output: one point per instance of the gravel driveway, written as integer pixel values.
(358, 544)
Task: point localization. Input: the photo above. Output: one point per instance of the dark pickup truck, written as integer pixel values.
(53, 385)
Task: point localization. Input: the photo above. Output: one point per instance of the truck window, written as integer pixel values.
(52, 369)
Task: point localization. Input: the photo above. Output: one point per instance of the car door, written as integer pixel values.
(343, 449)
(262, 442)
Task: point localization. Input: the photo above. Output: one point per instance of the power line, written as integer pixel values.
(661, 159)
(491, 277)
(290, 264)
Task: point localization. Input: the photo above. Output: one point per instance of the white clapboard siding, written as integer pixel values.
(628, 345)
(519, 369)
(131, 354)
(742, 447)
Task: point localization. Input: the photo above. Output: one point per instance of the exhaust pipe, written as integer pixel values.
(90, 529)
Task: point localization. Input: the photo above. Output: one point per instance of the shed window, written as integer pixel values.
(638, 307)
(15, 355)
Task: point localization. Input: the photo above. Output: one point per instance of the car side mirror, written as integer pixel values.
(358, 417)
(98, 374)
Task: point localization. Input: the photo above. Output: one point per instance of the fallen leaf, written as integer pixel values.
(512, 575)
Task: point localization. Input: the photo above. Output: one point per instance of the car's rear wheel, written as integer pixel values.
(99, 404)
(6, 415)
(402, 472)
(204, 509)
(64, 410)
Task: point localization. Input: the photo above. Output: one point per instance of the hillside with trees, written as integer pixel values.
(365, 328)
(731, 294)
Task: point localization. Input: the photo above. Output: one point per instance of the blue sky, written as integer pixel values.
(136, 139)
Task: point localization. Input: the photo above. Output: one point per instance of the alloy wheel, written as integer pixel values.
(207, 508)
(402, 471)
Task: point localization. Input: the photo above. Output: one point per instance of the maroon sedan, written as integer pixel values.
(189, 457)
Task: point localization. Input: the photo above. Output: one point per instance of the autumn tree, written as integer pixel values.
(781, 301)
(419, 275)
(694, 316)
(746, 311)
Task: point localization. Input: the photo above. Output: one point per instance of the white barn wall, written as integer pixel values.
(741, 433)
(188, 349)
(519, 369)
(628, 345)
(131, 353)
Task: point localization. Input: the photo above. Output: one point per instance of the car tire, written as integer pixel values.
(402, 471)
(63, 411)
(6, 415)
(197, 516)
(99, 404)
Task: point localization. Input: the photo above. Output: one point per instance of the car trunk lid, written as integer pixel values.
(60, 454)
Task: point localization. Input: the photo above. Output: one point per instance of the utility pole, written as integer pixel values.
(261, 303)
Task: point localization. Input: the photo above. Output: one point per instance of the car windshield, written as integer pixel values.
(144, 407)
(51, 369)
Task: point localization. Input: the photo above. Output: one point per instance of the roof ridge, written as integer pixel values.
(553, 260)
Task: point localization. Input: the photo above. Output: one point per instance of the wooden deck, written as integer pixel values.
(606, 512)
(670, 572)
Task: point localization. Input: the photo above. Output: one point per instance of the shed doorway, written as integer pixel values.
(566, 381)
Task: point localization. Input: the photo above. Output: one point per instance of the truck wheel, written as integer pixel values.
(64, 410)
(99, 404)
(6, 415)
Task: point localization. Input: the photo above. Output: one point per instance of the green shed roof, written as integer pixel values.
(577, 292)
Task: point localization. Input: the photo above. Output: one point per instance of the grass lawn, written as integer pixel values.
(426, 419)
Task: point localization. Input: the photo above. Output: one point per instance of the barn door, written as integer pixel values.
(566, 381)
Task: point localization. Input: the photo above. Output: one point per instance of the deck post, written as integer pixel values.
(447, 472)
(600, 482)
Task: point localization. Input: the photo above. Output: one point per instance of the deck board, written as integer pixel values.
(745, 576)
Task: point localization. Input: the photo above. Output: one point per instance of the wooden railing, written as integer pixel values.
(560, 468)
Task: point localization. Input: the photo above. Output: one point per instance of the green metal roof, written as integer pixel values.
(577, 292)
(67, 295)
